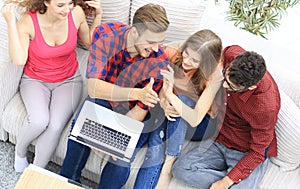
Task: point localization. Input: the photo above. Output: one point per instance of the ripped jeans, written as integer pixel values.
(176, 133)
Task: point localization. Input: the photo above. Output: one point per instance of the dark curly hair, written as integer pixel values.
(247, 69)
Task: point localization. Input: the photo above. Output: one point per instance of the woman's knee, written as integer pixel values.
(155, 154)
(40, 121)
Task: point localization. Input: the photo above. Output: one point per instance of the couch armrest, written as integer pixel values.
(289, 82)
(10, 75)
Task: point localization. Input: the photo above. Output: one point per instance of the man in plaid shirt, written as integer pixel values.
(124, 75)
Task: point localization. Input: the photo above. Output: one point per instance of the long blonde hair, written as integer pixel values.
(208, 45)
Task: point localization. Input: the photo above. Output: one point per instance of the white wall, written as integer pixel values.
(281, 51)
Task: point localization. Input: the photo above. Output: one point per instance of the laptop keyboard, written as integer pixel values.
(105, 134)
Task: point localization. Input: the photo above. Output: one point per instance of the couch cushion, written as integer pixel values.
(14, 115)
(288, 134)
(184, 19)
(276, 178)
(290, 84)
(117, 10)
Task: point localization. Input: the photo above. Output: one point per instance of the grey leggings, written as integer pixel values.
(49, 107)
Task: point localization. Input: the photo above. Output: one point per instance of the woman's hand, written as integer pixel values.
(170, 112)
(168, 84)
(96, 4)
(217, 75)
(168, 81)
(8, 12)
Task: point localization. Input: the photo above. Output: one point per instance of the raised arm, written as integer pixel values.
(85, 32)
(18, 34)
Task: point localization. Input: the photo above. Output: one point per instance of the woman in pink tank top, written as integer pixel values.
(44, 42)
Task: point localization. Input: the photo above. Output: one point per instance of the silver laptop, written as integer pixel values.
(108, 131)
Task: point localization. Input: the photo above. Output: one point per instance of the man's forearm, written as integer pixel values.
(107, 91)
(137, 113)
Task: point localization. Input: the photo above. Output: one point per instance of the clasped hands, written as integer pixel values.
(170, 111)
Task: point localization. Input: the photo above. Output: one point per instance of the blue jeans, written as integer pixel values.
(176, 131)
(77, 154)
(210, 162)
(179, 130)
(116, 173)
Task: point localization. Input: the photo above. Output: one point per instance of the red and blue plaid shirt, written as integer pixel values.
(110, 61)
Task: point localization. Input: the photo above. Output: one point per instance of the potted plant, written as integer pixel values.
(257, 16)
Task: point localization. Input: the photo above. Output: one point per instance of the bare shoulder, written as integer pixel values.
(25, 19)
(78, 10)
(78, 15)
(25, 25)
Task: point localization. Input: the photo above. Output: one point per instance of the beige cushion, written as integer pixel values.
(184, 17)
(276, 178)
(291, 86)
(117, 10)
(288, 134)
(14, 115)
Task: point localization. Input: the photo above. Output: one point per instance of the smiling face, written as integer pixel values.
(59, 8)
(148, 42)
(191, 59)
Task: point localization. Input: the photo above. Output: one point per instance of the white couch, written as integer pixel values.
(283, 171)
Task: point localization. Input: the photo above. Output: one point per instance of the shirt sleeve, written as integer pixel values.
(230, 53)
(262, 125)
(153, 70)
(98, 57)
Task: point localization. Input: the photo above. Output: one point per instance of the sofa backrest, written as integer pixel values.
(184, 16)
(288, 124)
(184, 20)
